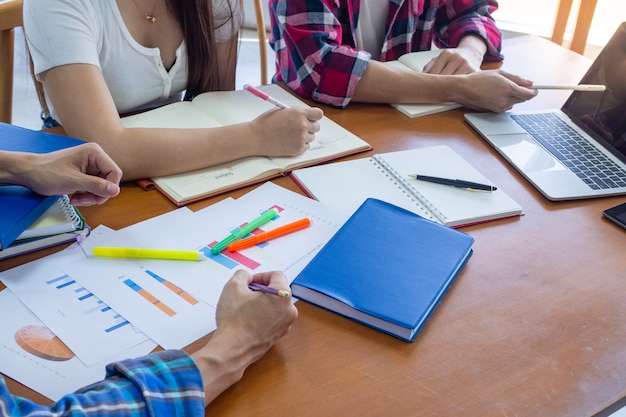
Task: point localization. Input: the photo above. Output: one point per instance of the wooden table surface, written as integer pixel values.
(534, 325)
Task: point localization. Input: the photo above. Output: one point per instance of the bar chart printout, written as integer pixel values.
(152, 296)
(90, 328)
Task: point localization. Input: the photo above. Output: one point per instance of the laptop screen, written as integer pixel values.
(603, 114)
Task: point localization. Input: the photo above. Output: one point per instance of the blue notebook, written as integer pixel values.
(20, 207)
(386, 267)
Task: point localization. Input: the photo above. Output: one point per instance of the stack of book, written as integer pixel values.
(31, 221)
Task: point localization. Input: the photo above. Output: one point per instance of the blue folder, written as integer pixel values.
(20, 207)
(386, 267)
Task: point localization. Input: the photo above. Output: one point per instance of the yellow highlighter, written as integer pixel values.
(141, 253)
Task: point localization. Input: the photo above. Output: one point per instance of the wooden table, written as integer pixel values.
(534, 326)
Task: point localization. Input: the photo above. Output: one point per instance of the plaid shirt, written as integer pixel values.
(314, 40)
(166, 383)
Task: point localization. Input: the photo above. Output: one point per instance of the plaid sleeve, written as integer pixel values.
(462, 17)
(311, 56)
(166, 383)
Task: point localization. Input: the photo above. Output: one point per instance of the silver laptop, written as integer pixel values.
(578, 151)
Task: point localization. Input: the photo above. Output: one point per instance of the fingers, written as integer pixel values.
(523, 82)
(314, 114)
(102, 165)
(275, 279)
(448, 62)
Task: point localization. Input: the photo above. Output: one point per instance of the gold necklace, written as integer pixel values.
(149, 17)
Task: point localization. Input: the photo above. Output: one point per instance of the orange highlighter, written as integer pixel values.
(271, 234)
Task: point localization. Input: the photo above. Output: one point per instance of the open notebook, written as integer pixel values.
(415, 61)
(221, 108)
(345, 185)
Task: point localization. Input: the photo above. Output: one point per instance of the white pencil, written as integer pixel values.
(579, 87)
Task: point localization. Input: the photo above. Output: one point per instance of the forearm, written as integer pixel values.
(382, 83)
(223, 360)
(149, 152)
(460, 18)
(164, 384)
(14, 167)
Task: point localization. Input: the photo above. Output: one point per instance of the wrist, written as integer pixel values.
(456, 89)
(14, 169)
(254, 143)
(223, 361)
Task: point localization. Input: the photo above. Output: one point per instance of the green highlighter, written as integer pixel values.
(238, 234)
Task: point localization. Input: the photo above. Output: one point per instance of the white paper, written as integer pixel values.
(38, 366)
(92, 330)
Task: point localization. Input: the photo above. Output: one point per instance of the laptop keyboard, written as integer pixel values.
(574, 151)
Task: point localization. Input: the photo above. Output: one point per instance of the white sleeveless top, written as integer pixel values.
(93, 32)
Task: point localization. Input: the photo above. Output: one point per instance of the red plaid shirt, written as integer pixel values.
(314, 40)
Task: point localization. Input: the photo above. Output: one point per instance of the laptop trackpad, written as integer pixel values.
(524, 152)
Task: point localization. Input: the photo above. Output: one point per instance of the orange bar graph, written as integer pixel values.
(176, 289)
(181, 293)
(151, 298)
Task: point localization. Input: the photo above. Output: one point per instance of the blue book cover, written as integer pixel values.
(386, 267)
(20, 207)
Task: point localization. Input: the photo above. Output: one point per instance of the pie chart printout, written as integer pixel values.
(41, 342)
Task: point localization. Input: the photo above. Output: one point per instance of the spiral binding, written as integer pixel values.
(70, 212)
(428, 210)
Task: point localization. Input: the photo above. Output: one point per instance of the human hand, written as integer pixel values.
(466, 58)
(493, 90)
(256, 320)
(453, 61)
(85, 172)
(287, 132)
(248, 324)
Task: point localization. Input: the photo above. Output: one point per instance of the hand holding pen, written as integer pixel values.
(290, 136)
(264, 96)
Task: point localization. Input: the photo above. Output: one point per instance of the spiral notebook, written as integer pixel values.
(60, 223)
(346, 185)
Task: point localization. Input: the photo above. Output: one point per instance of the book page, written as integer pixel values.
(332, 141)
(345, 185)
(458, 205)
(415, 61)
(180, 115)
(223, 108)
(418, 60)
(222, 177)
(59, 218)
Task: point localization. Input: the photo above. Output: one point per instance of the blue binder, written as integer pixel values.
(20, 207)
(386, 267)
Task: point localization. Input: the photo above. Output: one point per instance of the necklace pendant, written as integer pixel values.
(151, 19)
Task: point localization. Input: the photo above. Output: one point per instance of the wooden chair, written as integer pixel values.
(10, 18)
(583, 23)
(260, 29)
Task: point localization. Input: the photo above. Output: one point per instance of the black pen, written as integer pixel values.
(468, 185)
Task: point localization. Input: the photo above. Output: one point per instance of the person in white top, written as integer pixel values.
(99, 59)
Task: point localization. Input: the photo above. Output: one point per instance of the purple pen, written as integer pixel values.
(268, 290)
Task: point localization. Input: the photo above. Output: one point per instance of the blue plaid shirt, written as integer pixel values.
(314, 40)
(165, 383)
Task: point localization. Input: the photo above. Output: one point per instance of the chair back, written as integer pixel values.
(10, 18)
(581, 29)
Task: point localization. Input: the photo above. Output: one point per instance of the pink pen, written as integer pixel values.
(263, 95)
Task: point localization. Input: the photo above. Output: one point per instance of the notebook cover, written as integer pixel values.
(15, 138)
(389, 264)
(20, 207)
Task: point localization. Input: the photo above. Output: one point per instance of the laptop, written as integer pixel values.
(578, 151)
